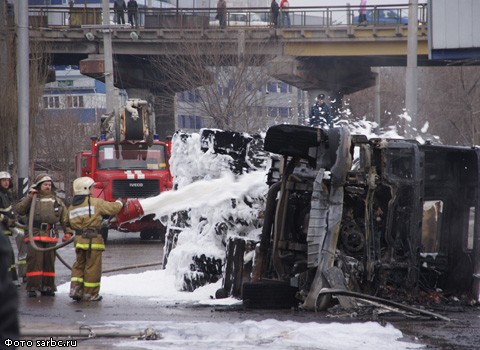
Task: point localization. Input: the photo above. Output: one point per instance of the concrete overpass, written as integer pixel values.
(334, 57)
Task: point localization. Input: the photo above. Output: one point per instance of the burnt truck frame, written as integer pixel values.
(389, 218)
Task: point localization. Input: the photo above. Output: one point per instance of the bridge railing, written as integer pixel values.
(315, 16)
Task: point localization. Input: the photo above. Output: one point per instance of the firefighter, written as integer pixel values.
(84, 216)
(49, 211)
(7, 219)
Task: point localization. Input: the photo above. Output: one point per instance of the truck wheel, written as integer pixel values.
(293, 140)
(269, 294)
(104, 233)
(159, 233)
(145, 235)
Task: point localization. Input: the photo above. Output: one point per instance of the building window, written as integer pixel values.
(65, 83)
(272, 87)
(272, 112)
(74, 102)
(284, 112)
(189, 122)
(278, 87)
(51, 102)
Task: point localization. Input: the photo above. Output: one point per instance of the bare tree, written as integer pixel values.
(228, 90)
(39, 63)
(448, 100)
(58, 138)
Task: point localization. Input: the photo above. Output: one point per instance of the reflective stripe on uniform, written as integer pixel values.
(42, 239)
(40, 273)
(77, 279)
(49, 199)
(91, 284)
(12, 267)
(82, 211)
(86, 246)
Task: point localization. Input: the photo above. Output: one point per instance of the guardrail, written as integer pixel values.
(318, 16)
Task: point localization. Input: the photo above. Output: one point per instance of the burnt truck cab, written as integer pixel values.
(128, 169)
(389, 218)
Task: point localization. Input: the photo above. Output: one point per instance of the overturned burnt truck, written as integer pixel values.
(393, 219)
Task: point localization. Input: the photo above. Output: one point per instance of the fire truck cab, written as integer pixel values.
(128, 161)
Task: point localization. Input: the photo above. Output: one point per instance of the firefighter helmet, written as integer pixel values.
(81, 186)
(42, 178)
(5, 175)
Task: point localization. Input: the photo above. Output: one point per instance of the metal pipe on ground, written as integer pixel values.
(86, 332)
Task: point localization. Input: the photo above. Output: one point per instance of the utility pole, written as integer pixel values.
(23, 95)
(108, 57)
(411, 86)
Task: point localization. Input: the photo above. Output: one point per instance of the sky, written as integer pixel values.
(206, 185)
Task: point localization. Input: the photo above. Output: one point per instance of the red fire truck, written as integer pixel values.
(128, 161)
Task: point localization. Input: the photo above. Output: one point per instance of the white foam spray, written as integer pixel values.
(204, 193)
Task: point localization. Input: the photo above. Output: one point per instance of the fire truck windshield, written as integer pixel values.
(131, 156)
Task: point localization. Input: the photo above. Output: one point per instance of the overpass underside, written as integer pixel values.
(334, 59)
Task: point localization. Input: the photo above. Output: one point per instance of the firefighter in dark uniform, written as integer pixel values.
(7, 219)
(84, 216)
(49, 211)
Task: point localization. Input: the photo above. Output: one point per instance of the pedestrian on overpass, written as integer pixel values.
(222, 13)
(85, 216)
(132, 7)
(119, 6)
(362, 15)
(274, 11)
(284, 7)
(320, 113)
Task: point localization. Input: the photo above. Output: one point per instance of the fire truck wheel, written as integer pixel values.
(104, 233)
(145, 235)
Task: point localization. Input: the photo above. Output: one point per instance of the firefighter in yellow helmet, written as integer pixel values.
(49, 212)
(84, 216)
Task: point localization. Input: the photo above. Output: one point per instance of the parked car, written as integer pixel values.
(384, 16)
(242, 19)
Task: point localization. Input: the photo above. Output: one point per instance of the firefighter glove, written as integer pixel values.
(8, 221)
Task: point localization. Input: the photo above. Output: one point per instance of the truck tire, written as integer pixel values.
(293, 140)
(146, 235)
(269, 294)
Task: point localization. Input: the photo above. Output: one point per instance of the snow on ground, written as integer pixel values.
(205, 185)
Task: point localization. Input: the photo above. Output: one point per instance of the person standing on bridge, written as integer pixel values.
(119, 6)
(85, 216)
(362, 15)
(284, 7)
(132, 7)
(274, 11)
(222, 13)
(320, 113)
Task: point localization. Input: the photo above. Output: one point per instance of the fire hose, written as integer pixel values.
(63, 244)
